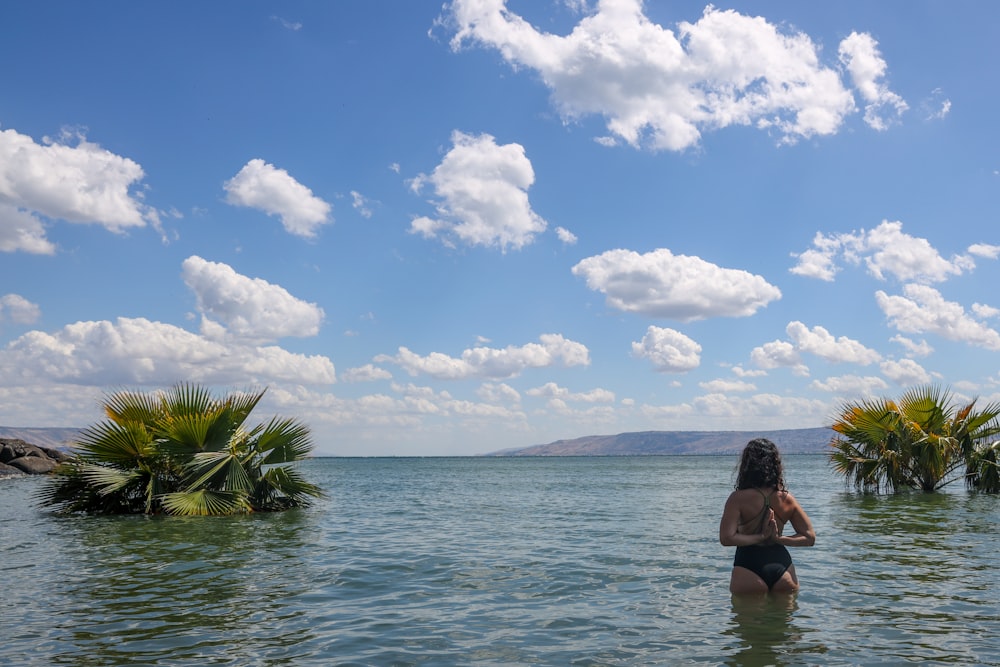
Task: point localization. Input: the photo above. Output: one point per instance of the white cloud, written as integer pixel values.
(249, 308)
(552, 390)
(727, 386)
(138, 351)
(361, 204)
(22, 231)
(264, 187)
(922, 309)
(366, 373)
(662, 89)
(851, 385)
(860, 56)
(913, 348)
(885, 250)
(482, 195)
(984, 311)
(905, 372)
(741, 372)
(668, 350)
(566, 236)
(485, 362)
(81, 183)
(937, 106)
(735, 411)
(984, 250)
(497, 393)
(778, 354)
(17, 309)
(678, 287)
(820, 342)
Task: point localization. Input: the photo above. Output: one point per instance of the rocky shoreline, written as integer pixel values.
(18, 457)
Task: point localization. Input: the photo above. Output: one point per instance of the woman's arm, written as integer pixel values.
(804, 535)
(729, 534)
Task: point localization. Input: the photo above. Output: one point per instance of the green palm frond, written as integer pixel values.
(283, 441)
(218, 471)
(117, 443)
(186, 434)
(131, 406)
(282, 487)
(205, 502)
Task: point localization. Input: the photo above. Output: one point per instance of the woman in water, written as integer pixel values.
(754, 519)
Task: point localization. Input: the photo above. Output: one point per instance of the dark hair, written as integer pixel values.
(760, 466)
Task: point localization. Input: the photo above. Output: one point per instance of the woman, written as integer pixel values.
(754, 519)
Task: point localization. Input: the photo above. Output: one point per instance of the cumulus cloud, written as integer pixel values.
(661, 89)
(913, 348)
(23, 231)
(668, 350)
(820, 342)
(678, 287)
(778, 354)
(15, 308)
(72, 180)
(905, 372)
(249, 308)
(264, 187)
(366, 373)
(922, 309)
(486, 362)
(817, 341)
(885, 250)
(481, 191)
(137, 351)
(860, 56)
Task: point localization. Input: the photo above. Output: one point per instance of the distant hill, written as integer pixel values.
(653, 443)
(57, 438)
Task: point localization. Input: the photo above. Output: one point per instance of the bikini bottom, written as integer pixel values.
(769, 561)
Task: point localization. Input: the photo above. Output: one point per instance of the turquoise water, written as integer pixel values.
(502, 561)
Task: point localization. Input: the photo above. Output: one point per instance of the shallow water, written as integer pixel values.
(502, 561)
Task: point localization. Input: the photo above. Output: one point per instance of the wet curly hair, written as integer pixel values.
(760, 466)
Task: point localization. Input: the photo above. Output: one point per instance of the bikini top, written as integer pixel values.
(763, 512)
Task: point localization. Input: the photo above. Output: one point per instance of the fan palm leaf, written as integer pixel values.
(183, 451)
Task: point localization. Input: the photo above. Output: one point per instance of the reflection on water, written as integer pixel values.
(765, 628)
(183, 587)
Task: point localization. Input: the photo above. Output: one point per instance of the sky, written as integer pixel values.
(453, 228)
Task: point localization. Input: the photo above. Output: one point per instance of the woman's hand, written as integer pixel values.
(770, 531)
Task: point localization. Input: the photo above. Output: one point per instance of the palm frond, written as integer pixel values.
(218, 471)
(204, 502)
(283, 441)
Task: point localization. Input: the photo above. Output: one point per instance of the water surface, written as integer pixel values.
(502, 561)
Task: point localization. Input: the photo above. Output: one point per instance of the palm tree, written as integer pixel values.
(183, 452)
(919, 441)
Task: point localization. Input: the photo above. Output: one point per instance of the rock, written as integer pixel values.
(34, 465)
(25, 458)
(9, 471)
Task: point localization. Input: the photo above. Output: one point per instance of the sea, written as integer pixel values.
(503, 561)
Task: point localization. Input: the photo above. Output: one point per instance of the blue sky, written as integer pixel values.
(450, 229)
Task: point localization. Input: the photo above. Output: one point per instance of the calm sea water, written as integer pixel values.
(502, 561)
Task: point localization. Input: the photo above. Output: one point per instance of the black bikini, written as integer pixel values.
(767, 561)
